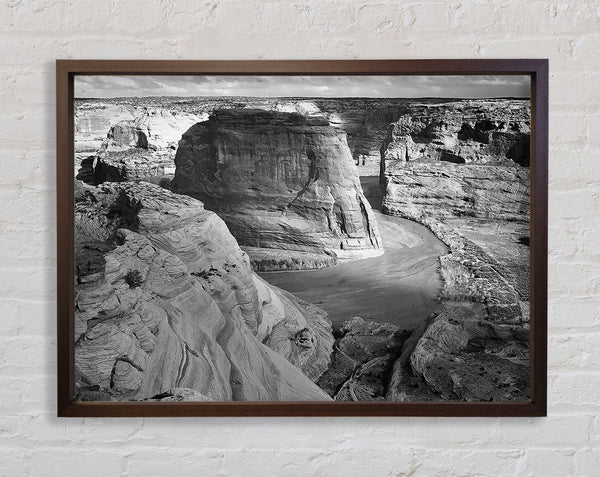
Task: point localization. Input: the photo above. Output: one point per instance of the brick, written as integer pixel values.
(467, 462)
(574, 132)
(21, 395)
(62, 462)
(574, 313)
(587, 461)
(333, 16)
(512, 433)
(573, 204)
(585, 49)
(383, 17)
(162, 461)
(547, 462)
(558, 49)
(431, 16)
(28, 283)
(31, 88)
(319, 462)
(128, 46)
(15, 462)
(14, 49)
(28, 248)
(575, 389)
(575, 279)
(577, 351)
(42, 15)
(591, 242)
(27, 207)
(27, 354)
(26, 317)
(585, 99)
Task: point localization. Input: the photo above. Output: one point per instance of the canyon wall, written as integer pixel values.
(141, 146)
(365, 120)
(462, 169)
(281, 181)
(167, 306)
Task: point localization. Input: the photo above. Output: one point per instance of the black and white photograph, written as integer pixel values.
(302, 238)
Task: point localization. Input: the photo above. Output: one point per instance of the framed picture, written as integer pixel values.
(302, 238)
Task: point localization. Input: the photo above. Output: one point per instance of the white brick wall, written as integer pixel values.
(35, 32)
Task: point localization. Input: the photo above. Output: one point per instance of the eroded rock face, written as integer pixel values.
(462, 357)
(453, 191)
(166, 299)
(462, 170)
(137, 148)
(362, 360)
(468, 131)
(453, 167)
(93, 119)
(281, 181)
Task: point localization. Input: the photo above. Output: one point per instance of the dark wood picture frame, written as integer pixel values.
(66, 70)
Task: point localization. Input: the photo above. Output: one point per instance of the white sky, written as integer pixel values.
(310, 86)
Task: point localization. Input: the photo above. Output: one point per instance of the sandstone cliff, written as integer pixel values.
(281, 181)
(472, 191)
(461, 169)
(482, 131)
(166, 300)
(141, 147)
(93, 119)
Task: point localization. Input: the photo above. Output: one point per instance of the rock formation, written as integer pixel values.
(468, 131)
(168, 308)
(362, 360)
(461, 169)
(463, 357)
(472, 191)
(365, 120)
(138, 148)
(281, 181)
(93, 118)
(165, 299)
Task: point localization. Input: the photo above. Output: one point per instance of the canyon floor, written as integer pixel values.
(373, 288)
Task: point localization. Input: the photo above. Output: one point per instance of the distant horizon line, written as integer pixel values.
(303, 97)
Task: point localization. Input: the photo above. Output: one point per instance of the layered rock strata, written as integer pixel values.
(365, 120)
(461, 169)
(464, 357)
(166, 301)
(468, 131)
(463, 172)
(281, 181)
(138, 148)
(93, 119)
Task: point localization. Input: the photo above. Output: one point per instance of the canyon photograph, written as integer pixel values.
(302, 238)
